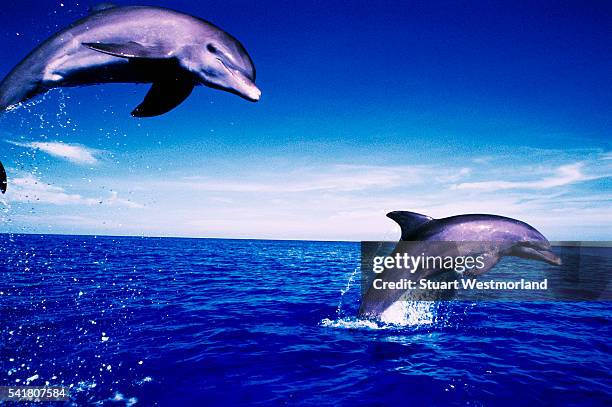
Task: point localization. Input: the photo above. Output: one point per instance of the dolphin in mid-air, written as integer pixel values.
(137, 44)
(2, 179)
(489, 236)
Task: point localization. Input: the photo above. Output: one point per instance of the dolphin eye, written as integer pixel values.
(212, 48)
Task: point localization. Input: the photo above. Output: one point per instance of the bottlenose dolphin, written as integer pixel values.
(2, 179)
(136, 44)
(489, 236)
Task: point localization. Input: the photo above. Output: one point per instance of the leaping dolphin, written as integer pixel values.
(489, 236)
(136, 44)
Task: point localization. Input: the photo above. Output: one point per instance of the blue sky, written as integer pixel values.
(439, 107)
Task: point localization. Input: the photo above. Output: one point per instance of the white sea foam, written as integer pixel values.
(399, 315)
(351, 323)
(410, 313)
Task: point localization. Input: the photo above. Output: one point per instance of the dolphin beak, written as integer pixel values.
(550, 258)
(252, 93)
(242, 85)
(545, 255)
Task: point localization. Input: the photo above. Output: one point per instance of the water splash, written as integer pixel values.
(349, 283)
(352, 323)
(400, 314)
(23, 123)
(409, 313)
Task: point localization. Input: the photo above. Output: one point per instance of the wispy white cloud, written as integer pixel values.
(29, 188)
(561, 176)
(74, 153)
(336, 178)
(482, 159)
(114, 200)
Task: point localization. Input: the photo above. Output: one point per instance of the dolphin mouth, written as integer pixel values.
(246, 88)
(544, 255)
(551, 258)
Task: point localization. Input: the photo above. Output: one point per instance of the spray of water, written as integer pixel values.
(349, 283)
(22, 123)
(400, 315)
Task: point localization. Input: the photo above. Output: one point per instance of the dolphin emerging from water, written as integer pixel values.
(489, 236)
(137, 44)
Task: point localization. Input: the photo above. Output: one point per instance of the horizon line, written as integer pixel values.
(555, 243)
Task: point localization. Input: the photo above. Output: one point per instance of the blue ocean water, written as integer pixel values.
(191, 322)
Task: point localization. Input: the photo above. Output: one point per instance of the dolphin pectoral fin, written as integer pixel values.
(164, 96)
(129, 50)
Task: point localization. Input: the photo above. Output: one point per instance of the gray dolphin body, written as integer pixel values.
(489, 236)
(138, 44)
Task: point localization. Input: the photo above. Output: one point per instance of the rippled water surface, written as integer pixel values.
(151, 321)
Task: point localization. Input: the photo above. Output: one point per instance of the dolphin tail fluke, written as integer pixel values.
(164, 96)
(408, 221)
(13, 90)
(9, 94)
(3, 182)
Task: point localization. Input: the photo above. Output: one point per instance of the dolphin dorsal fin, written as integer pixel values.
(409, 221)
(101, 7)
